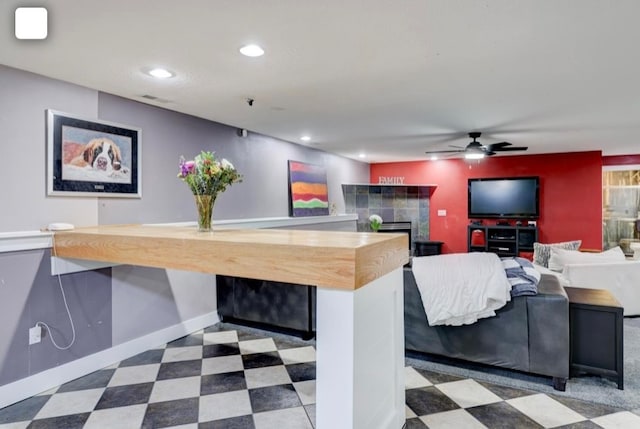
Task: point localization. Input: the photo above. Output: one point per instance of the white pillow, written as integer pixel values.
(542, 252)
(561, 257)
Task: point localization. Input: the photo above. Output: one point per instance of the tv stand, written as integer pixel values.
(502, 240)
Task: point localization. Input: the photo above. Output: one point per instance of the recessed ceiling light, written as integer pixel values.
(305, 138)
(160, 73)
(252, 51)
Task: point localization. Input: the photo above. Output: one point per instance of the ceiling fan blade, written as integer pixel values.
(509, 149)
(475, 147)
(429, 152)
(499, 145)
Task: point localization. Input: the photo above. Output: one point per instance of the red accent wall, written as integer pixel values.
(570, 193)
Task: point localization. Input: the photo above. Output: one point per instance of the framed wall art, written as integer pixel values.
(88, 157)
(308, 190)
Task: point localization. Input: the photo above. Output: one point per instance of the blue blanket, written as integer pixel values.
(524, 278)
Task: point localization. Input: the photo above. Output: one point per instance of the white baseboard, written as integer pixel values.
(45, 380)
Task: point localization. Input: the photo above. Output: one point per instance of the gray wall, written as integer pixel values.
(103, 302)
(24, 97)
(29, 294)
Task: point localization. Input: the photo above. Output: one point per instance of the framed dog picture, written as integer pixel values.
(92, 158)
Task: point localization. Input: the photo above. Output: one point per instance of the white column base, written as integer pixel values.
(360, 356)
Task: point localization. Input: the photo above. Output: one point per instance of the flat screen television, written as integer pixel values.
(504, 197)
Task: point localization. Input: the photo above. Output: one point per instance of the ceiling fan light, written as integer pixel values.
(474, 155)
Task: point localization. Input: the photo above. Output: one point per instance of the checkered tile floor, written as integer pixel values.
(232, 378)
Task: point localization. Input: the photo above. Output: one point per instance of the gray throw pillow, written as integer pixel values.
(542, 252)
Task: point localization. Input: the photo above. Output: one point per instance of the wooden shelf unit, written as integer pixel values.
(503, 240)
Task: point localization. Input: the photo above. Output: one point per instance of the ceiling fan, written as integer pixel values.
(476, 150)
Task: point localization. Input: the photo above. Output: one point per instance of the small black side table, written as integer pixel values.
(427, 247)
(595, 326)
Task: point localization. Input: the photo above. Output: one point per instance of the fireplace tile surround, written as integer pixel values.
(394, 203)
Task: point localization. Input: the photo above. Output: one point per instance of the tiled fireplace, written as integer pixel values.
(394, 203)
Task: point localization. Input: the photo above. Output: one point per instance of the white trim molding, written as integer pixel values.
(25, 240)
(33, 240)
(269, 222)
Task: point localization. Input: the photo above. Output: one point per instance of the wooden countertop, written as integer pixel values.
(344, 260)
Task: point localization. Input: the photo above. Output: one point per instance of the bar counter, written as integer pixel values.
(360, 329)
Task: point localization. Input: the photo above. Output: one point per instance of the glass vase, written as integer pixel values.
(204, 205)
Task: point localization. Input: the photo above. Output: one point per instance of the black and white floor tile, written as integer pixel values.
(226, 377)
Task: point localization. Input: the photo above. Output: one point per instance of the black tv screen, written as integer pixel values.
(506, 197)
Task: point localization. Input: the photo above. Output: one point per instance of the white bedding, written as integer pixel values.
(460, 288)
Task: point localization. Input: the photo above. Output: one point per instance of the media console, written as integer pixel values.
(502, 240)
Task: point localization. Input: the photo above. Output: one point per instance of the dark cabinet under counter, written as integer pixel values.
(278, 306)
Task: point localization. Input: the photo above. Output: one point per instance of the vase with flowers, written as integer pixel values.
(375, 222)
(207, 176)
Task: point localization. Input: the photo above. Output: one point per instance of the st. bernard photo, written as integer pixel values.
(92, 157)
(95, 157)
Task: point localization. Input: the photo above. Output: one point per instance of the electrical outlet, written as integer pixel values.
(35, 334)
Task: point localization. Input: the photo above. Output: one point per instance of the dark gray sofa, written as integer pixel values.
(530, 333)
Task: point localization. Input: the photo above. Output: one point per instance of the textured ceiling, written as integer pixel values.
(391, 79)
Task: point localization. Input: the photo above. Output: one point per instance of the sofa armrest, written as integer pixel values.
(548, 319)
(545, 270)
(622, 279)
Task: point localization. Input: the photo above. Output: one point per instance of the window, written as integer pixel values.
(620, 206)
